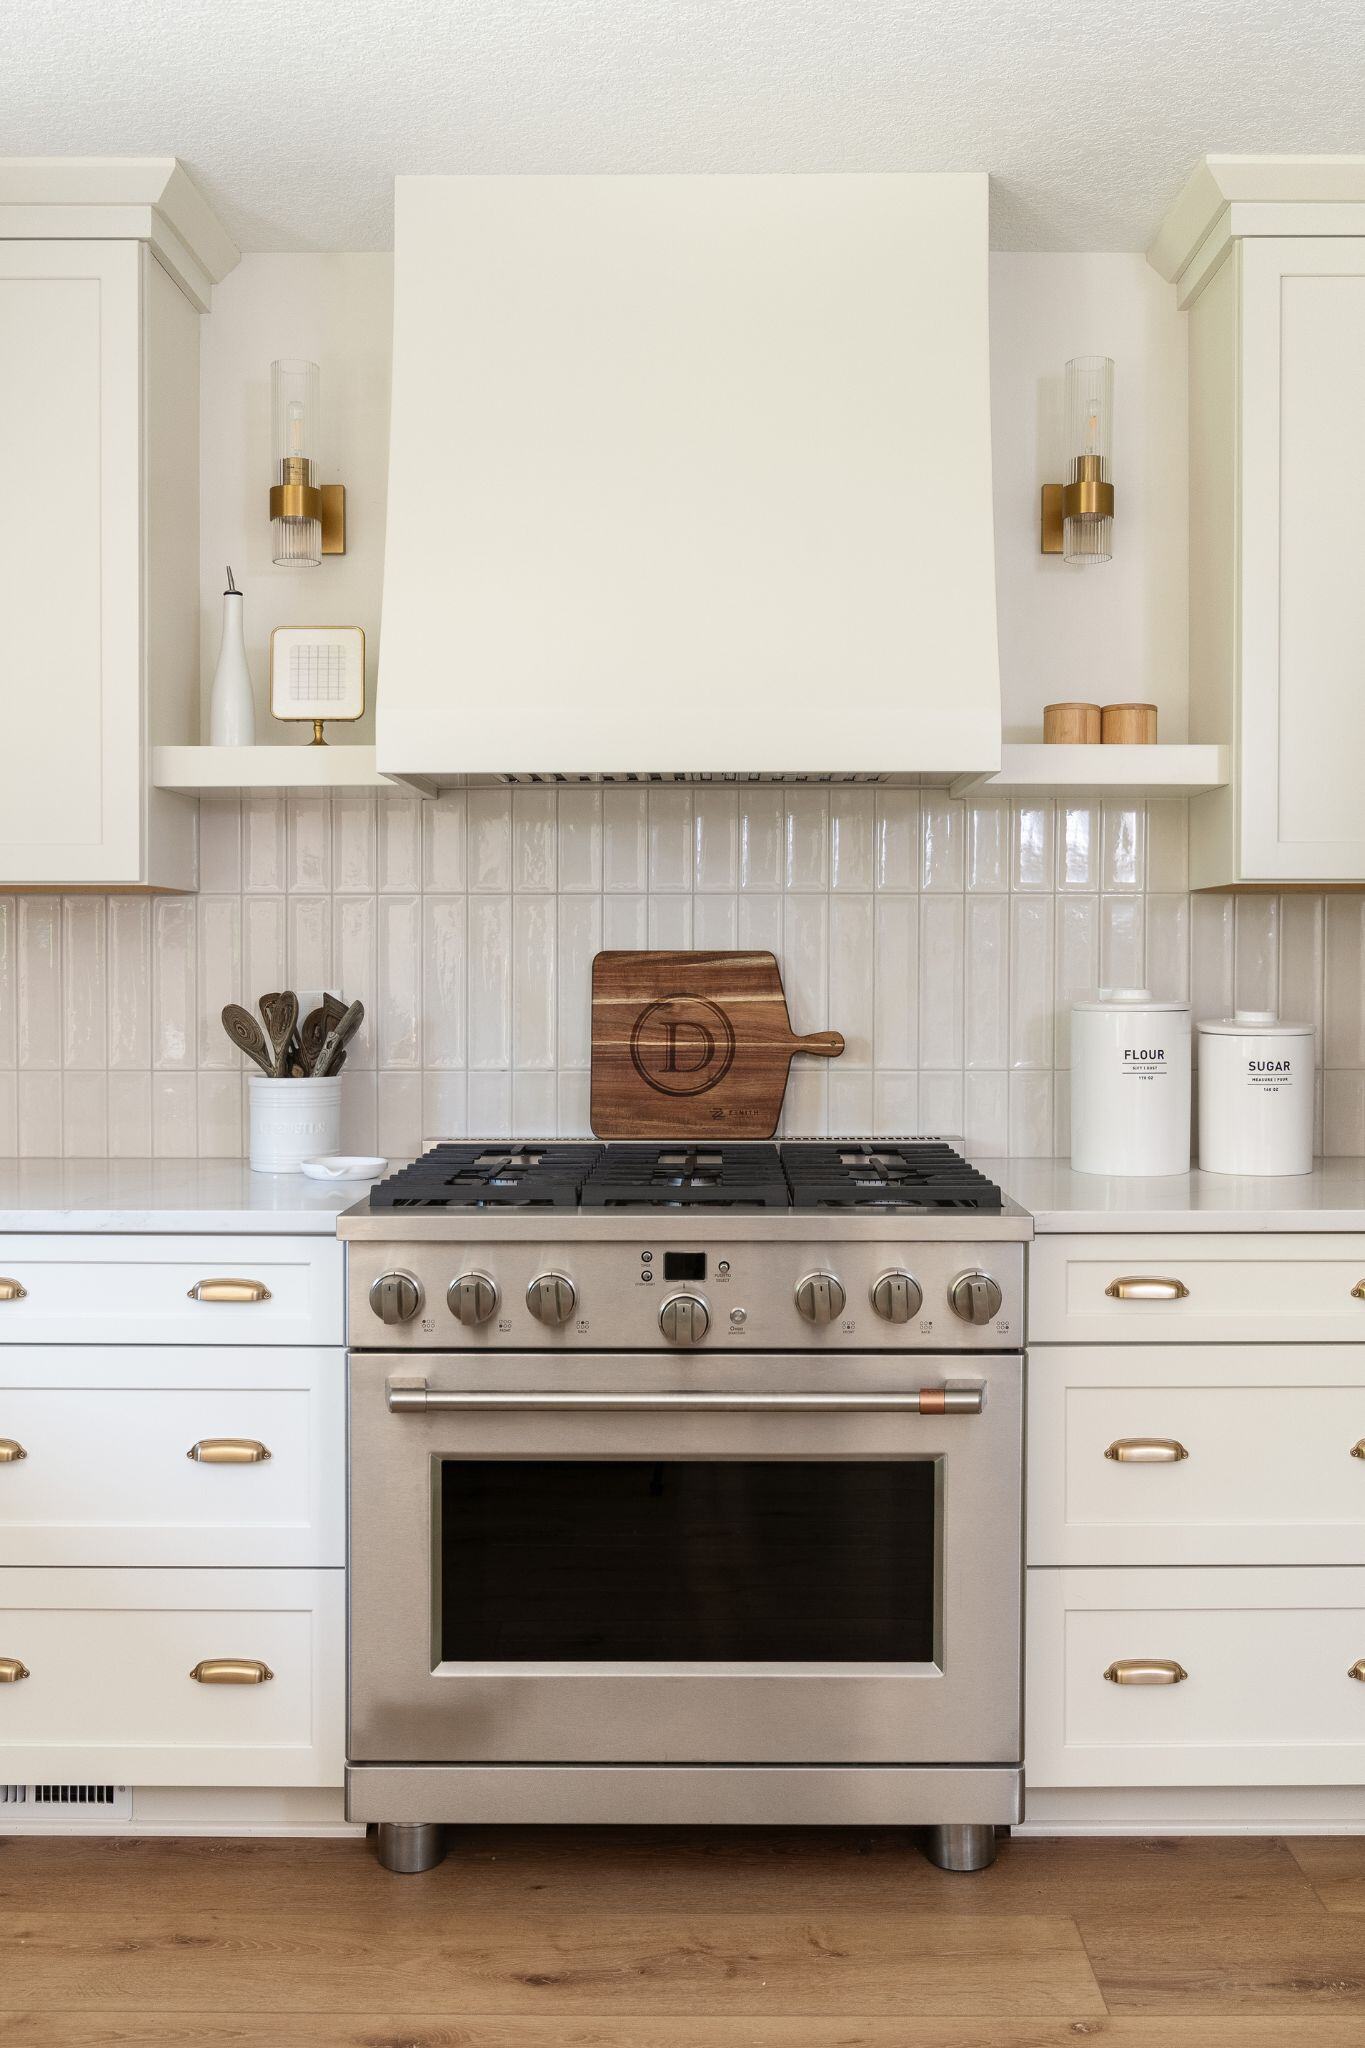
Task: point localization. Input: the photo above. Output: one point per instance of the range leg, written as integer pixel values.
(970, 1846)
(410, 1846)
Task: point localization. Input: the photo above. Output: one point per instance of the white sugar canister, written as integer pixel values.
(1130, 1084)
(1255, 1094)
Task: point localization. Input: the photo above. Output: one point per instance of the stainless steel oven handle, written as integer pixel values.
(415, 1397)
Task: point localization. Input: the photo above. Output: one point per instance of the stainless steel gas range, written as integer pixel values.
(685, 1487)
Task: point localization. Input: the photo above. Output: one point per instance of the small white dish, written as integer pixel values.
(342, 1166)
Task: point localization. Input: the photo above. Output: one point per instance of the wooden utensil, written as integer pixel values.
(247, 1035)
(316, 1026)
(341, 1033)
(688, 1045)
(281, 1014)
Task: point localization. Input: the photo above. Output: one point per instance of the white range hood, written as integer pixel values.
(690, 476)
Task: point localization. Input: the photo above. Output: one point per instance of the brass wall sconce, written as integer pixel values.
(307, 518)
(1078, 515)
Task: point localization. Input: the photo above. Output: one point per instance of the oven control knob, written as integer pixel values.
(820, 1298)
(551, 1298)
(472, 1299)
(975, 1297)
(684, 1319)
(897, 1297)
(396, 1297)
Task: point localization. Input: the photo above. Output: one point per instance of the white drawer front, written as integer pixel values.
(1241, 1289)
(137, 1290)
(1268, 1475)
(1268, 1699)
(109, 1693)
(105, 1476)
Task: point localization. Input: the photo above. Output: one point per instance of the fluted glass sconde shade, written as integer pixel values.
(295, 497)
(1088, 489)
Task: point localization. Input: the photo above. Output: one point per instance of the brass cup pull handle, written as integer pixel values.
(11, 1451)
(1358, 1449)
(228, 1450)
(229, 1290)
(1146, 1450)
(1146, 1671)
(11, 1671)
(1358, 1291)
(1144, 1287)
(12, 1290)
(231, 1671)
(1357, 1670)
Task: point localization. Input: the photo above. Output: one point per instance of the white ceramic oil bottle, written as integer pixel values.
(232, 708)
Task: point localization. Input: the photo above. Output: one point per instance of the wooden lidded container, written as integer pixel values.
(1071, 725)
(1129, 725)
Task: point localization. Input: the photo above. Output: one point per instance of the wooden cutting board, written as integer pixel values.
(692, 1045)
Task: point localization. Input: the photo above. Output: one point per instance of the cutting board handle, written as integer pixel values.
(825, 1045)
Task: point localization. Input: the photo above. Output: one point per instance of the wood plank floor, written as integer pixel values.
(681, 1938)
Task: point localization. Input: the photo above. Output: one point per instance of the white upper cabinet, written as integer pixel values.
(1277, 518)
(99, 421)
(690, 474)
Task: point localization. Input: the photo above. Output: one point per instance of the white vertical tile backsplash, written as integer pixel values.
(946, 940)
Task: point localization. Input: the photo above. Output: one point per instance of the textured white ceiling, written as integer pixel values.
(294, 115)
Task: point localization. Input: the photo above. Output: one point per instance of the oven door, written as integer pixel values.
(584, 1561)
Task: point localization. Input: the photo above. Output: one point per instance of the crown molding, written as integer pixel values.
(1228, 196)
(150, 199)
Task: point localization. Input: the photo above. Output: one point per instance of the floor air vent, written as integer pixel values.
(64, 1802)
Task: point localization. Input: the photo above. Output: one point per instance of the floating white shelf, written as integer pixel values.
(1129, 771)
(227, 771)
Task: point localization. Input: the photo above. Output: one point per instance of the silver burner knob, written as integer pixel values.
(684, 1319)
(396, 1297)
(897, 1297)
(551, 1298)
(820, 1298)
(975, 1297)
(472, 1299)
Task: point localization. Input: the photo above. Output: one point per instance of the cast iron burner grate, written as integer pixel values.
(490, 1177)
(875, 1173)
(682, 1176)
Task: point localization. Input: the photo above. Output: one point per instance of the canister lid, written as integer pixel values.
(1254, 1023)
(1128, 999)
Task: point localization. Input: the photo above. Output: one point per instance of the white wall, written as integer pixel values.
(1115, 632)
(336, 311)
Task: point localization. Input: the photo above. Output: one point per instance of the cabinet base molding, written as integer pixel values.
(211, 1810)
(1194, 1810)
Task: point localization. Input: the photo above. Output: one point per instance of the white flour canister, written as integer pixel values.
(1255, 1094)
(1130, 1084)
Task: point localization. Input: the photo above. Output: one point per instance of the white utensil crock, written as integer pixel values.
(292, 1121)
(1255, 1094)
(1130, 1084)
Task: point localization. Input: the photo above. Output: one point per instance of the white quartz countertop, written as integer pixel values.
(209, 1196)
(1332, 1197)
(224, 1195)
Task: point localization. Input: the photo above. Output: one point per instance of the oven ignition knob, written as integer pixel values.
(975, 1297)
(897, 1297)
(820, 1298)
(472, 1299)
(684, 1319)
(396, 1297)
(551, 1298)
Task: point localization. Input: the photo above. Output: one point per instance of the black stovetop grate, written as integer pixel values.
(835, 1173)
(548, 1176)
(873, 1173)
(672, 1175)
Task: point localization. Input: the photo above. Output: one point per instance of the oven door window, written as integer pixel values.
(719, 1562)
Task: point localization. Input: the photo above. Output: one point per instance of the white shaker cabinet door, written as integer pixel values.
(1302, 611)
(70, 776)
